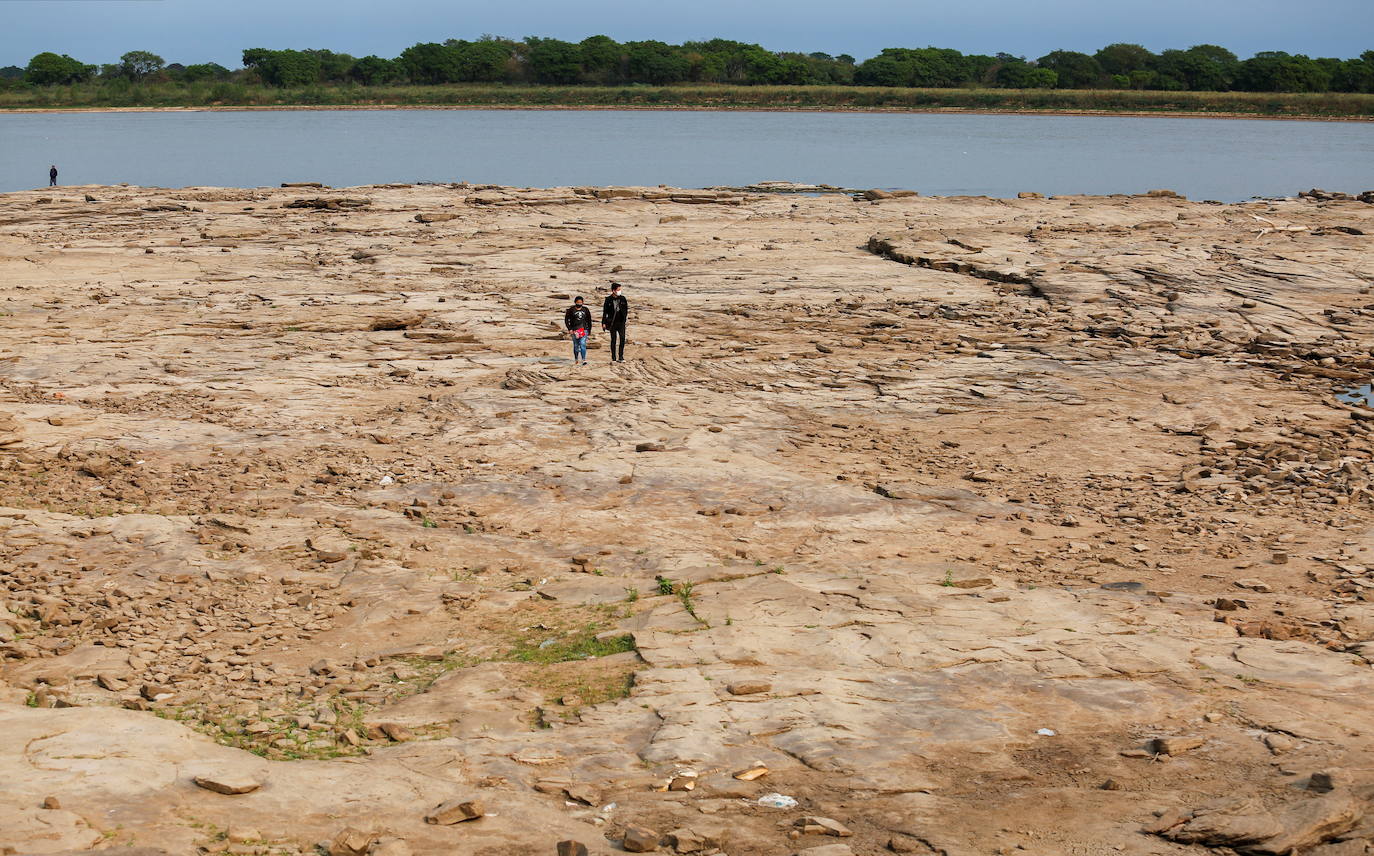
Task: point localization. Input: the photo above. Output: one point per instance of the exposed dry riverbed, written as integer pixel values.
(973, 526)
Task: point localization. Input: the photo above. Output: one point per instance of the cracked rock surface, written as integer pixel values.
(957, 526)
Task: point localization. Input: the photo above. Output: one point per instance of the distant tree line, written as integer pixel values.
(600, 60)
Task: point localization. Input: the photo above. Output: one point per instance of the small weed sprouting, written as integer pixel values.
(665, 585)
(684, 594)
(949, 578)
(778, 569)
(429, 524)
(758, 563)
(631, 594)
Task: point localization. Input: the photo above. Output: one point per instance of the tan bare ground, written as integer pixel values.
(983, 526)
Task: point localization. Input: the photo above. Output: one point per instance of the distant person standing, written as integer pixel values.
(52, 176)
(578, 320)
(614, 313)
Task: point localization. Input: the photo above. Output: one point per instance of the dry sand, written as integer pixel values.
(984, 526)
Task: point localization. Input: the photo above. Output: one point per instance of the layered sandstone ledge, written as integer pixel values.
(974, 526)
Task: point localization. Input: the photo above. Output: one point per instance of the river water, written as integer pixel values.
(936, 154)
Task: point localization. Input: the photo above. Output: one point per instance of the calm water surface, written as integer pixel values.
(937, 154)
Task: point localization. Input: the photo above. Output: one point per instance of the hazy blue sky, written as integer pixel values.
(217, 30)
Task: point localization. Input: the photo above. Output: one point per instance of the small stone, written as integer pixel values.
(352, 842)
(228, 783)
(1254, 585)
(1279, 557)
(52, 803)
(748, 687)
(397, 732)
(683, 783)
(583, 793)
(1112, 785)
(749, 774)
(1175, 745)
(155, 692)
(686, 841)
(649, 447)
(391, 847)
(572, 848)
(898, 844)
(1326, 781)
(812, 825)
(639, 839)
(111, 683)
(1279, 743)
(454, 811)
(243, 835)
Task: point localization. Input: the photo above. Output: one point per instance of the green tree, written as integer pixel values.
(431, 63)
(283, 68)
(136, 65)
(334, 67)
(487, 60)
(553, 60)
(1276, 71)
(1354, 75)
(655, 62)
(1202, 68)
(1123, 58)
(1074, 70)
(205, 71)
(601, 58)
(49, 69)
(373, 70)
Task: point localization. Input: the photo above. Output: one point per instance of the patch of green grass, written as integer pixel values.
(631, 594)
(949, 578)
(665, 585)
(581, 645)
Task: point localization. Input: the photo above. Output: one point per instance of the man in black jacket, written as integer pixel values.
(614, 313)
(52, 176)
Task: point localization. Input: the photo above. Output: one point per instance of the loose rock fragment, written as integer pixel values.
(640, 839)
(352, 841)
(813, 825)
(228, 783)
(748, 687)
(1175, 745)
(454, 811)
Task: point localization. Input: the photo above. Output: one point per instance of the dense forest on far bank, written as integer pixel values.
(599, 71)
(601, 61)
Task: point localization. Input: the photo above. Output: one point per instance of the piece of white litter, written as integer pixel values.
(777, 801)
(387, 480)
(1045, 732)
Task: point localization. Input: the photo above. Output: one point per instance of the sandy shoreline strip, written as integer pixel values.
(1169, 114)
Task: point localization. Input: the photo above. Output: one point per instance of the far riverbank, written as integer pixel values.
(817, 99)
